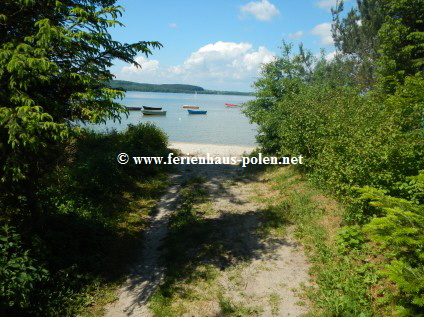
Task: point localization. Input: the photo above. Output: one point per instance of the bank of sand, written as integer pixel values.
(222, 150)
(257, 272)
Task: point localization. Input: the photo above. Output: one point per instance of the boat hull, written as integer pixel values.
(152, 108)
(197, 111)
(153, 112)
(190, 107)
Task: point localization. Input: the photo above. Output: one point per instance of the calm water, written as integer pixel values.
(221, 125)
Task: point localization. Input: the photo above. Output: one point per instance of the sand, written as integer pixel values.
(213, 149)
(253, 268)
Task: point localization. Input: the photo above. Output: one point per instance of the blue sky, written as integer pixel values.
(218, 44)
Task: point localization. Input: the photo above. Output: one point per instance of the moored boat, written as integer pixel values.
(152, 108)
(190, 107)
(154, 112)
(133, 108)
(231, 105)
(197, 111)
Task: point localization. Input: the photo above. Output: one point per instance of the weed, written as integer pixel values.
(275, 219)
(274, 303)
(343, 280)
(229, 309)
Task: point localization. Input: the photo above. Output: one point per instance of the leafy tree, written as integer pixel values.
(54, 60)
(382, 38)
(356, 36)
(280, 79)
(402, 42)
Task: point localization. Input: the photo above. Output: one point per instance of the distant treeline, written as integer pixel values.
(172, 88)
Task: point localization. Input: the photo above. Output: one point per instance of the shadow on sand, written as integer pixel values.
(193, 240)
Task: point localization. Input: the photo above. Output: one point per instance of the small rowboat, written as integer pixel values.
(197, 111)
(190, 107)
(151, 108)
(133, 108)
(154, 112)
(231, 105)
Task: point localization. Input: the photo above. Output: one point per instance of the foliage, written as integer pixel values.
(54, 63)
(401, 230)
(72, 212)
(356, 37)
(19, 272)
(90, 225)
(95, 160)
(358, 122)
(342, 276)
(346, 139)
(382, 38)
(402, 38)
(350, 237)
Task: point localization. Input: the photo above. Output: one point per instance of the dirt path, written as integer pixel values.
(147, 275)
(258, 273)
(268, 281)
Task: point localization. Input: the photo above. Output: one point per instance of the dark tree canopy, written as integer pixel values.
(382, 38)
(54, 66)
(356, 36)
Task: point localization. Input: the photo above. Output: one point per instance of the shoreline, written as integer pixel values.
(196, 149)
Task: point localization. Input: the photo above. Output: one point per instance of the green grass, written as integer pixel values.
(274, 220)
(274, 303)
(182, 274)
(343, 279)
(229, 309)
(198, 251)
(341, 264)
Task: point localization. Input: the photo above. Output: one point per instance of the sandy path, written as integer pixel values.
(270, 280)
(147, 275)
(275, 267)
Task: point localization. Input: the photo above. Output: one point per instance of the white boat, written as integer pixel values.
(190, 107)
(153, 112)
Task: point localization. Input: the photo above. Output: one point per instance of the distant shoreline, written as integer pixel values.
(230, 93)
(171, 88)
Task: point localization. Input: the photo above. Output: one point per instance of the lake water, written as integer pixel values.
(221, 125)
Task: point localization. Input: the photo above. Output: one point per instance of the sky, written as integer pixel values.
(219, 44)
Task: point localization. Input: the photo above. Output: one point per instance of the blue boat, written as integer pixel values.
(197, 111)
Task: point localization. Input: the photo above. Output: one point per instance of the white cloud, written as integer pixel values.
(224, 60)
(262, 10)
(296, 35)
(323, 30)
(330, 56)
(173, 25)
(147, 66)
(220, 65)
(327, 4)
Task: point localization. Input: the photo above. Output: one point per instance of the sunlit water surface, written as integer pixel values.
(221, 125)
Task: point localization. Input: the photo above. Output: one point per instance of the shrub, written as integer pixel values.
(401, 230)
(19, 272)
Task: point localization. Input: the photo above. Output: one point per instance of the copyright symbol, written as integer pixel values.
(123, 158)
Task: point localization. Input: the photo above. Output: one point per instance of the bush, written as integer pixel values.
(401, 230)
(94, 173)
(83, 233)
(352, 139)
(19, 272)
